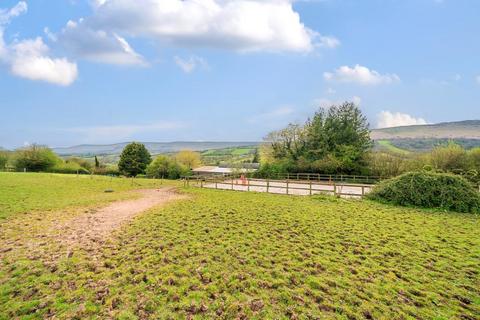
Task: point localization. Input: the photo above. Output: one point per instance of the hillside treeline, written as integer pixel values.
(337, 140)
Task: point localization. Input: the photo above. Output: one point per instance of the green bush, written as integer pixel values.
(3, 160)
(69, 168)
(165, 167)
(429, 190)
(35, 158)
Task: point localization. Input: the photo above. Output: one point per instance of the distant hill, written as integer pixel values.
(469, 129)
(153, 147)
(426, 137)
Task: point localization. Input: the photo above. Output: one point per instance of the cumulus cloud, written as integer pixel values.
(360, 75)
(97, 45)
(240, 25)
(29, 58)
(189, 64)
(387, 119)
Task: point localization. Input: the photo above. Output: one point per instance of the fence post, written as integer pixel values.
(287, 186)
(363, 191)
(268, 184)
(248, 184)
(201, 183)
(310, 187)
(334, 189)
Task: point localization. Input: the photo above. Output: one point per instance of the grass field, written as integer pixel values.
(387, 145)
(228, 255)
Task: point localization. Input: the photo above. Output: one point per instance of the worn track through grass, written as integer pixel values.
(90, 230)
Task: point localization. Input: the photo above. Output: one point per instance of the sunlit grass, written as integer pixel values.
(230, 255)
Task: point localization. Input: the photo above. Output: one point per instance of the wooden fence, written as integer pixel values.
(287, 186)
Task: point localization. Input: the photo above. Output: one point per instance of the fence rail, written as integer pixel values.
(289, 186)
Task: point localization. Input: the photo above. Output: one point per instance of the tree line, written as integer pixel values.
(336, 140)
(135, 160)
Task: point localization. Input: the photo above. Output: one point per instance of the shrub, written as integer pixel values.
(3, 160)
(81, 162)
(35, 158)
(449, 158)
(429, 190)
(69, 168)
(164, 167)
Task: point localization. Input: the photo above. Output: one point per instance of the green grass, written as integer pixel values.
(230, 255)
(387, 145)
(25, 192)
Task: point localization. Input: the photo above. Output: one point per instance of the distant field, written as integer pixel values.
(387, 145)
(229, 155)
(229, 255)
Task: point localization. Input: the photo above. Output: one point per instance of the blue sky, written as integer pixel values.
(105, 71)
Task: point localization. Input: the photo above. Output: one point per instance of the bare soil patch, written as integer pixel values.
(93, 227)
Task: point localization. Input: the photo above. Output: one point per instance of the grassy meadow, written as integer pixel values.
(229, 255)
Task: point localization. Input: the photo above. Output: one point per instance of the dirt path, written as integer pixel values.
(91, 229)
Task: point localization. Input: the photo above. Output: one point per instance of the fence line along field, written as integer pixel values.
(229, 255)
(287, 187)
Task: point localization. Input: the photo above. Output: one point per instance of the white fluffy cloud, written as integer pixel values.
(241, 25)
(29, 58)
(387, 119)
(97, 45)
(360, 75)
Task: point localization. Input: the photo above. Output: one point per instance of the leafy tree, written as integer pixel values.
(449, 158)
(97, 163)
(256, 156)
(164, 167)
(189, 159)
(134, 159)
(35, 158)
(335, 140)
(82, 163)
(3, 160)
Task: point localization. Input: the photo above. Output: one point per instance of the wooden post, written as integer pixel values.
(268, 184)
(334, 189)
(310, 187)
(363, 191)
(201, 183)
(287, 185)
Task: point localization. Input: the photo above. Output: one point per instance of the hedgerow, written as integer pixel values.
(429, 190)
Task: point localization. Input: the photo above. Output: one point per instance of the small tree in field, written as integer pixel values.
(35, 158)
(3, 160)
(134, 159)
(189, 159)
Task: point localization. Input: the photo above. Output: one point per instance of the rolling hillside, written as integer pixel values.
(425, 137)
(449, 130)
(153, 147)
